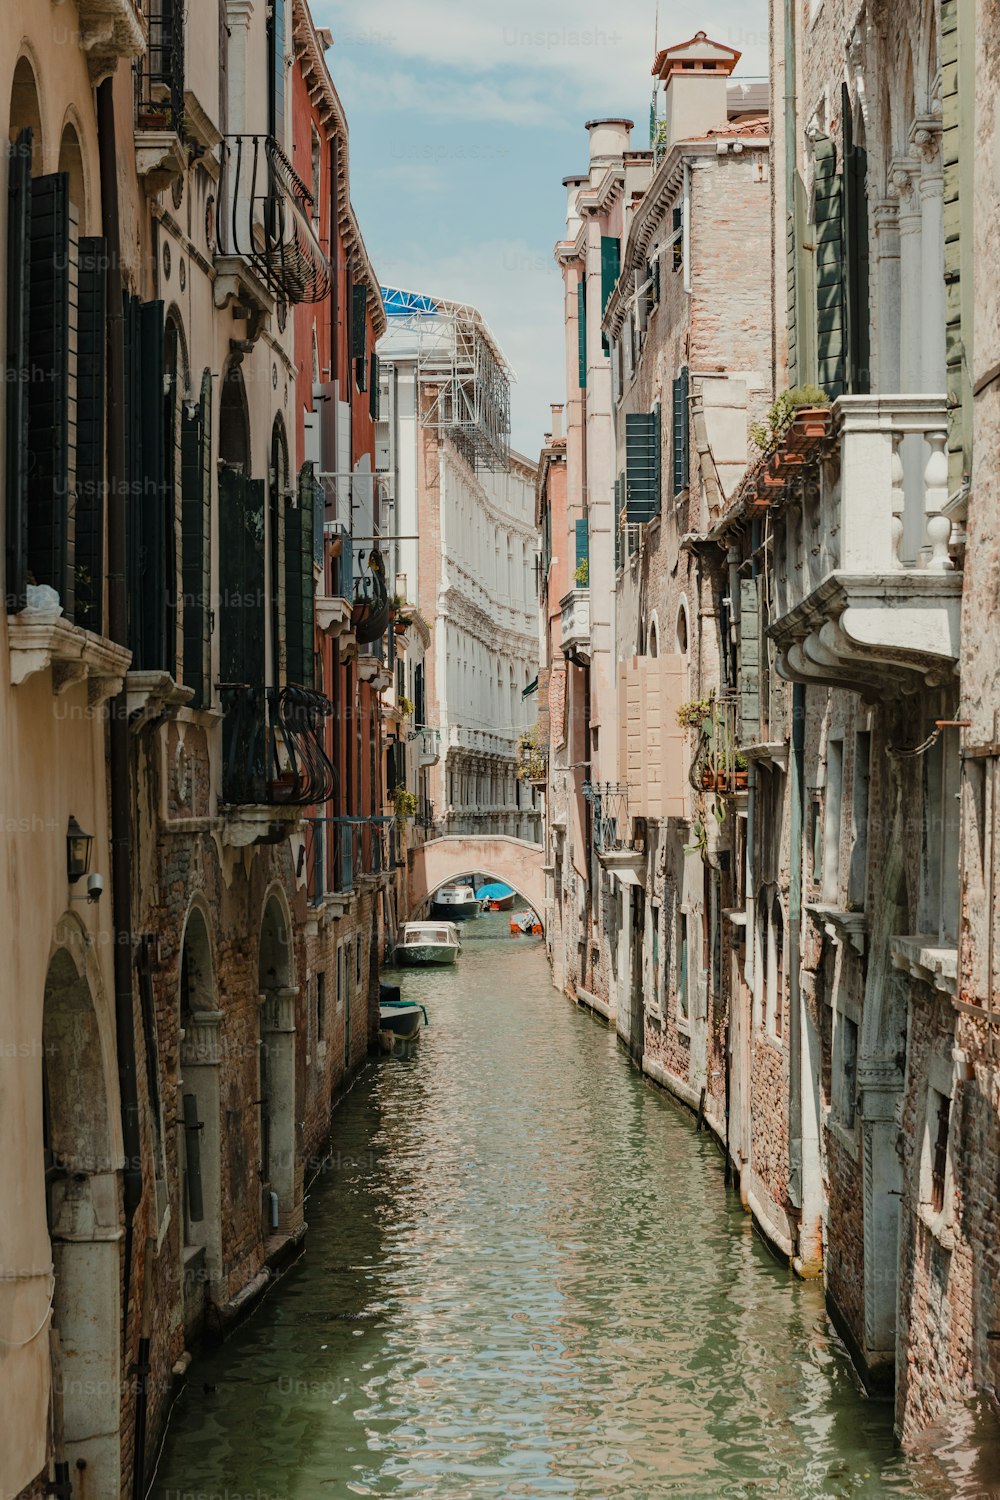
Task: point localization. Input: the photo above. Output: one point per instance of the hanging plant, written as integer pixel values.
(769, 433)
(405, 802)
(692, 715)
(406, 708)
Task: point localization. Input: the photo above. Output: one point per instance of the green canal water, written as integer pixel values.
(524, 1277)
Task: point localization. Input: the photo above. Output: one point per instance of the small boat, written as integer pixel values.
(401, 1018)
(495, 896)
(428, 943)
(525, 924)
(455, 901)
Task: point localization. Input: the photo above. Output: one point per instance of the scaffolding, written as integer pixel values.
(462, 373)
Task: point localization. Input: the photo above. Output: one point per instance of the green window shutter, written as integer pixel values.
(582, 543)
(642, 466)
(831, 329)
(855, 199)
(681, 432)
(52, 386)
(241, 633)
(373, 387)
(299, 586)
(581, 330)
(90, 427)
(610, 269)
(196, 513)
(359, 334)
(749, 662)
(17, 371)
(276, 69)
(617, 523)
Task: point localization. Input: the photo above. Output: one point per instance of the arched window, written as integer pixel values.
(682, 629)
(25, 111)
(761, 966)
(653, 639)
(71, 162)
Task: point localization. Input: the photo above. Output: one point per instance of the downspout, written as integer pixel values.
(790, 122)
(118, 734)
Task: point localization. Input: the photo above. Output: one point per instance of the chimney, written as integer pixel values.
(573, 186)
(608, 143)
(557, 416)
(695, 74)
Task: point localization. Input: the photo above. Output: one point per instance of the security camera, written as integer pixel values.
(95, 887)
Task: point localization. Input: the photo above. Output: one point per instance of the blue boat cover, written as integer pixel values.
(494, 890)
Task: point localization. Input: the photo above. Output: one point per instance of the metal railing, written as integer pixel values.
(265, 216)
(273, 752)
(609, 812)
(718, 764)
(159, 72)
(342, 852)
(338, 561)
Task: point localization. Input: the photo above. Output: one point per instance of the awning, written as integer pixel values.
(531, 688)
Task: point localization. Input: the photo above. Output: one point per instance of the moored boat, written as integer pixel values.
(401, 1018)
(525, 924)
(495, 896)
(455, 901)
(428, 943)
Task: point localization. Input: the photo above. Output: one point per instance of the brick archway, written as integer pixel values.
(514, 861)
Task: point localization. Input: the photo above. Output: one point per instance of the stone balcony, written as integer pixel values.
(867, 591)
(428, 745)
(575, 632)
(109, 29)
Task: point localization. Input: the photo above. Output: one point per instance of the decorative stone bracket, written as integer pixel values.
(38, 642)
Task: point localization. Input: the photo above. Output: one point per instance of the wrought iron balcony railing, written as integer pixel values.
(159, 75)
(265, 217)
(341, 852)
(273, 750)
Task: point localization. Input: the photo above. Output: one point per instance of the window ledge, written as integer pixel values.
(769, 753)
(266, 824)
(846, 1139)
(925, 957)
(154, 693)
(333, 615)
(39, 640)
(842, 926)
(940, 1225)
(769, 1039)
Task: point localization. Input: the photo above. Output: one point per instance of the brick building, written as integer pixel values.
(190, 293)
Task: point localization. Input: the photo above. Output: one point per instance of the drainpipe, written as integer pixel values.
(118, 735)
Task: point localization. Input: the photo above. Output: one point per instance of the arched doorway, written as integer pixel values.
(198, 1116)
(82, 1205)
(280, 1212)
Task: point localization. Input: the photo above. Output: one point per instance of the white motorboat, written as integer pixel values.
(455, 901)
(428, 943)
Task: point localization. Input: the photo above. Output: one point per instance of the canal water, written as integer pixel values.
(524, 1277)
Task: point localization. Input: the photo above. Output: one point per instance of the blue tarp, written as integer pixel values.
(495, 890)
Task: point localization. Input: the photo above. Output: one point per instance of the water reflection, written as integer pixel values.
(524, 1278)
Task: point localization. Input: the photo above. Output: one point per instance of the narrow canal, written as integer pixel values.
(523, 1277)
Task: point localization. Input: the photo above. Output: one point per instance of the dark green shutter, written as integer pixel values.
(52, 387)
(642, 466)
(581, 330)
(241, 579)
(90, 427)
(681, 432)
(830, 312)
(373, 387)
(196, 513)
(359, 334)
(855, 199)
(749, 662)
(610, 269)
(299, 581)
(17, 370)
(677, 243)
(276, 69)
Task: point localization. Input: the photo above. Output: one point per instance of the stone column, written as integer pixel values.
(903, 185)
(886, 351)
(238, 15)
(926, 149)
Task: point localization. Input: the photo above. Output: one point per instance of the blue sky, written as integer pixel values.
(465, 117)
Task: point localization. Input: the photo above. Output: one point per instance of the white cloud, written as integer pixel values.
(605, 50)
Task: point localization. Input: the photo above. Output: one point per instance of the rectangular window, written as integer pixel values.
(682, 967)
(656, 959)
(321, 1006)
(681, 435)
(642, 466)
(940, 1115)
(846, 1077)
(581, 331)
(857, 879)
(831, 820)
(816, 839)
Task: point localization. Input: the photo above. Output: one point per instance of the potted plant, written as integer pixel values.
(806, 407)
(406, 708)
(693, 714)
(405, 803)
(582, 575)
(532, 757)
(721, 773)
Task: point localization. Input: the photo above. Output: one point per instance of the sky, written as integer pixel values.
(465, 116)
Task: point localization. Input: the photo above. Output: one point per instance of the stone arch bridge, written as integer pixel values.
(514, 861)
